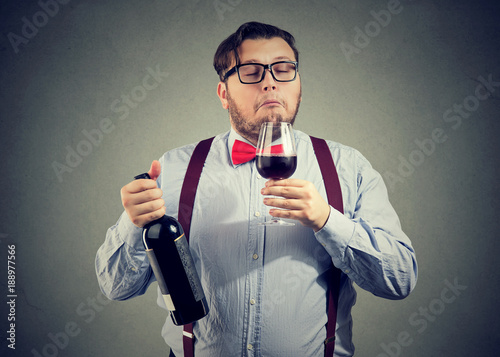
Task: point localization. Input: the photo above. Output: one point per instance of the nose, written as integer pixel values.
(268, 83)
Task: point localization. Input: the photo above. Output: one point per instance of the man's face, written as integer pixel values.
(250, 105)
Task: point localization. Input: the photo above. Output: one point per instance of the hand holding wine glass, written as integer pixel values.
(276, 155)
(294, 198)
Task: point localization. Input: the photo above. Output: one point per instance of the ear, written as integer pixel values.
(222, 93)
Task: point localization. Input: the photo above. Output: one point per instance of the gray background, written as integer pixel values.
(394, 91)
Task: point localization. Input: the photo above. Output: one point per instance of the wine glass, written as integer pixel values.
(276, 156)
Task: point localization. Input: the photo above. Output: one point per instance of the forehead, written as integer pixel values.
(265, 50)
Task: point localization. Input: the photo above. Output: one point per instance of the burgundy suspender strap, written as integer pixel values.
(186, 203)
(329, 173)
(191, 179)
(334, 193)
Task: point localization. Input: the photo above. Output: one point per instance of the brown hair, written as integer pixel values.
(228, 49)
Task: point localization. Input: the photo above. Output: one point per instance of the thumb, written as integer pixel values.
(155, 170)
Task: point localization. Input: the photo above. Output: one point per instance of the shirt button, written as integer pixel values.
(249, 346)
(255, 256)
(347, 271)
(134, 269)
(257, 214)
(252, 301)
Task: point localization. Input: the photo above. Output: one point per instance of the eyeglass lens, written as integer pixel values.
(253, 73)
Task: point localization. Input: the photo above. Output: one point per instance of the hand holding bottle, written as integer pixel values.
(168, 252)
(142, 198)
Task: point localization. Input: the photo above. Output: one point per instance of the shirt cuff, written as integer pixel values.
(335, 236)
(129, 232)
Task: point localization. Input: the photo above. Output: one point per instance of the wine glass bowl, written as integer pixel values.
(276, 167)
(276, 156)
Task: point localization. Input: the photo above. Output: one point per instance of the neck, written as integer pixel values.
(247, 136)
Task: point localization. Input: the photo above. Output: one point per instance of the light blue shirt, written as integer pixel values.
(267, 286)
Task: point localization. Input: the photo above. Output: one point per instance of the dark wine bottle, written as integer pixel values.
(173, 266)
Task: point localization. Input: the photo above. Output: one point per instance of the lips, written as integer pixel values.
(270, 103)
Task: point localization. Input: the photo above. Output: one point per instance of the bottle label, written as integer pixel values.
(188, 263)
(169, 302)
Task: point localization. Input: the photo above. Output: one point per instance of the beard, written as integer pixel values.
(250, 128)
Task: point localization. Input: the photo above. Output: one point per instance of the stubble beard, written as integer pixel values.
(249, 129)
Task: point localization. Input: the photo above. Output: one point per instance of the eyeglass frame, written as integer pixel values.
(266, 66)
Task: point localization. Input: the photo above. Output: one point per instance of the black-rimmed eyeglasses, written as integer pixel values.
(251, 73)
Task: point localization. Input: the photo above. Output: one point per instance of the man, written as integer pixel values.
(266, 287)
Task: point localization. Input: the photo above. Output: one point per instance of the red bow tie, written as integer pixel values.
(243, 152)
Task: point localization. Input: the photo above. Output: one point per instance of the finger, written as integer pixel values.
(133, 199)
(291, 214)
(148, 207)
(283, 203)
(155, 170)
(142, 220)
(283, 191)
(283, 213)
(286, 182)
(147, 196)
(137, 186)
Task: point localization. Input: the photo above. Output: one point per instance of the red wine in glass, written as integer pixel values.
(276, 167)
(276, 156)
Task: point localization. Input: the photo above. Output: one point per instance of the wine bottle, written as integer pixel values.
(173, 266)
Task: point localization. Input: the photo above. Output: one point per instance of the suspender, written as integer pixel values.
(334, 194)
(191, 179)
(186, 202)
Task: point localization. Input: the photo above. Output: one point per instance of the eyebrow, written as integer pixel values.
(275, 59)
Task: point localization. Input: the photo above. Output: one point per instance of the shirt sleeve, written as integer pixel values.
(368, 243)
(122, 268)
